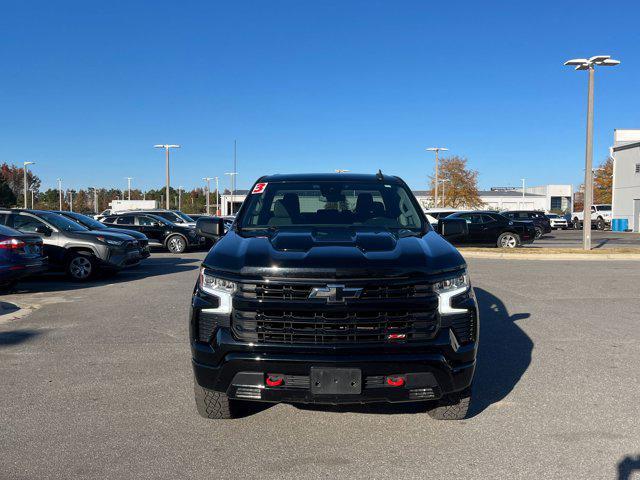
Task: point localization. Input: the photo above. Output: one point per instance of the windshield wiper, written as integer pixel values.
(270, 229)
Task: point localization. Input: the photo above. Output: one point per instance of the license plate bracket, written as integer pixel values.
(335, 381)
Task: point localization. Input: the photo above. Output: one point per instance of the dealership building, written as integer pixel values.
(547, 198)
(626, 178)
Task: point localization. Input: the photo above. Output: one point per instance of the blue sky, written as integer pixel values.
(87, 88)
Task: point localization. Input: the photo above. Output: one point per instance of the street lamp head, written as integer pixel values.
(29, 163)
(586, 64)
(610, 62)
(436, 149)
(576, 61)
(166, 146)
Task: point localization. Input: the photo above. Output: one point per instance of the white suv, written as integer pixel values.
(557, 221)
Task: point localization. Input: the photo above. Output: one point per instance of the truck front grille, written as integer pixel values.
(283, 313)
(301, 291)
(333, 327)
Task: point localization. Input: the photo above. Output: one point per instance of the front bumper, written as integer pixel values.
(430, 368)
(118, 258)
(427, 375)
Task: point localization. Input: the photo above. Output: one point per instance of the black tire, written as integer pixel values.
(539, 232)
(8, 287)
(81, 266)
(576, 223)
(176, 244)
(508, 240)
(453, 406)
(214, 405)
(600, 224)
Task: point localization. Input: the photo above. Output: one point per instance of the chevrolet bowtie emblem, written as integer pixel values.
(335, 293)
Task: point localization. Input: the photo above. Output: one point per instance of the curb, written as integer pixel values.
(552, 256)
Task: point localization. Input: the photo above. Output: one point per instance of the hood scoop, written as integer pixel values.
(303, 241)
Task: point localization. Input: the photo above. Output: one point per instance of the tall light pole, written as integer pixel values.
(180, 197)
(167, 148)
(437, 150)
(32, 189)
(26, 164)
(60, 192)
(523, 193)
(589, 64)
(217, 197)
(71, 200)
(232, 175)
(444, 198)
(129, 187)
(208, 180)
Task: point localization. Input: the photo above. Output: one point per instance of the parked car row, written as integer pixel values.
(35, 241)
(543, 223)
(490, 228)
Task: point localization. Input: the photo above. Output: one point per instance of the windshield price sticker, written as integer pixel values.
(259, 188)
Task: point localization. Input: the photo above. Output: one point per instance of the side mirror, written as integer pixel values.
(210, 227)
(44, 230)
(453, 228)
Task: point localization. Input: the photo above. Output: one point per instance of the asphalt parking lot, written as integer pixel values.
(599, 239)
(96, 383)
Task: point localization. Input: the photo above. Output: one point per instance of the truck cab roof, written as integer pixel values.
(328, 177)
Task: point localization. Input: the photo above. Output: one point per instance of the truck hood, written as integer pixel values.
(333, 253)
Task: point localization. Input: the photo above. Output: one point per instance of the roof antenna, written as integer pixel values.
(379, 175)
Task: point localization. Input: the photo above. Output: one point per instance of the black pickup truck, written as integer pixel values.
(332, 288)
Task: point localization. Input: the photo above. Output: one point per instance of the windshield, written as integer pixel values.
(331, 204)
(62, 223)
(87, 221)
(170, 216)
(603, 208)
(552, 215)
(185, 217)
(160, 219)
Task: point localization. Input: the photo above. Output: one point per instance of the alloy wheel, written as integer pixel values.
(176, 245)
(509, 241)
(80, 268)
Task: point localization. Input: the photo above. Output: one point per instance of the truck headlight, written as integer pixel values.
(218, 287)
(449, 288)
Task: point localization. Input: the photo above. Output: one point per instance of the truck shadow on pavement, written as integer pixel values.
(150, 267)
(628, 467)
(504, 355)
(16, 337)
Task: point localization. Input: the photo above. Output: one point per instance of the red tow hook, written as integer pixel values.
(274, 381)
(395, 381)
